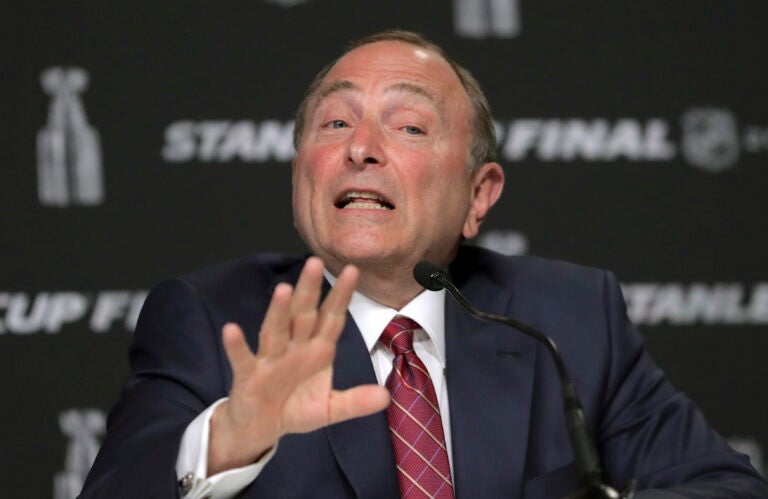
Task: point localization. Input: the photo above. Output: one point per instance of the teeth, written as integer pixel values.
(363, 195)
(354, 200)
(365, 206)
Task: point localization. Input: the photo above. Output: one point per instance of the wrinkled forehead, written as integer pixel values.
(395, 66)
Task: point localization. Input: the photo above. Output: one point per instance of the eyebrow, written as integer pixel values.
(337, 86)
(422, 91)
(412, 88)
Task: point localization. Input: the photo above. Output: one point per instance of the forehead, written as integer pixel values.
(395, 65)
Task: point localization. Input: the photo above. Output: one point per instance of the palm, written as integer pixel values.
(287, 386)
(308, 407)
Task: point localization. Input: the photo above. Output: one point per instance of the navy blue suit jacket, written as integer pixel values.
(506, 412)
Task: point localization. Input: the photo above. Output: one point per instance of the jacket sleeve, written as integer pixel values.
(650, 431)
(178, 368)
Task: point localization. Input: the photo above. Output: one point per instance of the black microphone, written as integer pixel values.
(433, 278)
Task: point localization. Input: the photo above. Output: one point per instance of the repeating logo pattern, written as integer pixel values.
(487, 18)
(50, 311)
(83, 428)
(707, 138)
(68, 149)
(506, 242)
(710, 138)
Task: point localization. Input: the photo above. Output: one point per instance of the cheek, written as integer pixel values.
(305, 169)
(313, 180)
(319, 164)
(451, 197)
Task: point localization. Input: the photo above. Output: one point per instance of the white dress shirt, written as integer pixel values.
(371, 318)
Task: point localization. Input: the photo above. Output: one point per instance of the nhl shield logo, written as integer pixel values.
(710, 138)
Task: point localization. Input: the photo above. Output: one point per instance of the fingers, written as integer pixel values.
(276, 328)
(289, 381)
(356, 402)
(293, 314)
(305, 299)
(333, 312)
(238, 351)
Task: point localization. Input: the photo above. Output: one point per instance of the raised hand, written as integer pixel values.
(286, 387)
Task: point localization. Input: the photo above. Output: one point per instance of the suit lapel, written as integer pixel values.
(362, 446)
(490, 384)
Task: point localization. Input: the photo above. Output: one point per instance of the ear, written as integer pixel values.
(487, 184)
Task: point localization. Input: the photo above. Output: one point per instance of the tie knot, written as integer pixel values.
(398, 335)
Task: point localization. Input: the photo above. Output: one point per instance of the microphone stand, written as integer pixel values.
(585, 454)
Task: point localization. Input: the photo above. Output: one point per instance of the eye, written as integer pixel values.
(337, 124)
(412, 130)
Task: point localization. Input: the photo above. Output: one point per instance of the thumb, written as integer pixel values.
(357, 402)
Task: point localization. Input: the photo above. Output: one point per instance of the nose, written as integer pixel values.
(365, 146)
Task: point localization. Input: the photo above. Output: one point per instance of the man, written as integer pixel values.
(240, 383)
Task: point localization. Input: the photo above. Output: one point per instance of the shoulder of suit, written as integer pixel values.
(258, 271)
(525, 269)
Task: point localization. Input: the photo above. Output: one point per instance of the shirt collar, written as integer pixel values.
(371, 317)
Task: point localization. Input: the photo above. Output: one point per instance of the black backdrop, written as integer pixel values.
(634, 137)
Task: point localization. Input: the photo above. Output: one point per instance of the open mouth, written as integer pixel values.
(360, 200)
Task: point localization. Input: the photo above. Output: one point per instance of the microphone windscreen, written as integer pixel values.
(423, 272)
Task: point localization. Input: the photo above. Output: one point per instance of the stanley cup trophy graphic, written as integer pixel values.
(68, 149)
(82, 427)
(487, 18)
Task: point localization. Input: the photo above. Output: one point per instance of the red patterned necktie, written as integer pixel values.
(414, 420)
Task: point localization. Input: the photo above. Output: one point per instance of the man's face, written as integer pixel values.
(380, 176)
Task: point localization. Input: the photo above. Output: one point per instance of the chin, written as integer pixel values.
(364, 255)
